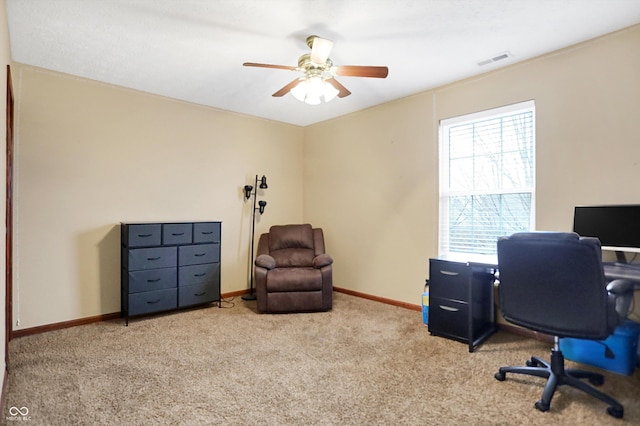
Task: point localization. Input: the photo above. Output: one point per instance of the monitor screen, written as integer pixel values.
(617, 227)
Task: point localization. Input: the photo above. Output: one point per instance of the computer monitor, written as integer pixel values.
(617, 227)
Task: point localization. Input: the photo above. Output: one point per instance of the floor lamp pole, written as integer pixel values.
(252, 294)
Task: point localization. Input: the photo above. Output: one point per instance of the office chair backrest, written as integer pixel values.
(553, 282)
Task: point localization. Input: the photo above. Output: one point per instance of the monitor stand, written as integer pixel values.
(620, 257)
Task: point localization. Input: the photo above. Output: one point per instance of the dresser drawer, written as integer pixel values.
(197, 274)
(206, 232)
(448, 318)
(177, 233)
(449, 280)
(142, 235)
(153, 301)
(198, 254)
(197, 294)
(150, 258)
(152, 279)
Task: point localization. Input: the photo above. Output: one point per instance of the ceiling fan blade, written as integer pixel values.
(280, 67)
(320, 50)
(362, 71)
(343, 91)
(286, 88)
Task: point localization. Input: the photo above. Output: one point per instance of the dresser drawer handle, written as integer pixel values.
(177, 233)
(152, 302)
(199, 275)
(200, 294)
(449, 308)
(153, 280)
(449, 273)
(144, 235)
(154, 258)
(199, 254)
(207, 232)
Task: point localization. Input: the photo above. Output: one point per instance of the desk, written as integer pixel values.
(461, 298)
(615, 271)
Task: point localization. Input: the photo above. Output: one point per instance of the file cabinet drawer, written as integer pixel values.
(449, 280)
(450, 316)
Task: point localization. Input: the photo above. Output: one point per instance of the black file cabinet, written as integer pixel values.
(461, 302)
(169, 266)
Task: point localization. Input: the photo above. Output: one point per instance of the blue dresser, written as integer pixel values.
(168, 266)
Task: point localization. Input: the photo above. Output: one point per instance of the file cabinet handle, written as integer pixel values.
(449, 308)
(453, 274)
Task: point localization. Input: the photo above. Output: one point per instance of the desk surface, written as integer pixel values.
(612, 270)
(486, 260)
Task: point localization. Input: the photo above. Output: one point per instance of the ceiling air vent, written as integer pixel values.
(500, 57)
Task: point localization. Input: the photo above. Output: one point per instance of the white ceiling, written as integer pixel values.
(193, 50)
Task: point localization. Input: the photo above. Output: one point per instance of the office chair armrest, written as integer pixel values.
(322, 260)
(265, 261)
(619, 287)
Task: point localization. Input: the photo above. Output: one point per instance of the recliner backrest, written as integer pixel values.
(553, 282)
(292, 245)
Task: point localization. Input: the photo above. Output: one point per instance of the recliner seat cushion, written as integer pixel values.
(294, 279)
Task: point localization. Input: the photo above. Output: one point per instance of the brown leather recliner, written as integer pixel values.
(292, 271)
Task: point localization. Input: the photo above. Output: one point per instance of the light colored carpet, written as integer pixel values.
(364, 363)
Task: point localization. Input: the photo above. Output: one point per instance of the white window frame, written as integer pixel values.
(445, 192)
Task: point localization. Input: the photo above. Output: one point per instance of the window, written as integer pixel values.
(487, 180)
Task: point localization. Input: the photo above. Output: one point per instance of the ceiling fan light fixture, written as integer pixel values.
(320, 50)
(311, 90)
(330, 92)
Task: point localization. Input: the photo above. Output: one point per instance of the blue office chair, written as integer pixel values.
(554, 283)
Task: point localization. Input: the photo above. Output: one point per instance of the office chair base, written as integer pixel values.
(556, 375)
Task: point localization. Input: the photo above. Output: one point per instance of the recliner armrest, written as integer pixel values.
(265, 261)
(322, 260)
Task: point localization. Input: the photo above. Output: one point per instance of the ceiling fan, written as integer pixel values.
(318, 79)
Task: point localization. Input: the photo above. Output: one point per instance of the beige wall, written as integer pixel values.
(5, 59)
(371, 177)
(90, 155)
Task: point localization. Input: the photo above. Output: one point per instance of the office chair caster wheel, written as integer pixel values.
(542, 406)
(500, 376)
(615, 412)
(596, 380)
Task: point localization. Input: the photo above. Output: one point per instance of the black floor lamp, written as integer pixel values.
(248, 192)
